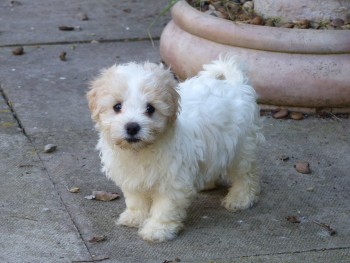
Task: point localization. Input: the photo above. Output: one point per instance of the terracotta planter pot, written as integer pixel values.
(300, 68)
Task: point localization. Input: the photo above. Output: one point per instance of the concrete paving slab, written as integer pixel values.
(37, 22)
(44, 222)
(35, 225)
(49, 94)
(211, 232)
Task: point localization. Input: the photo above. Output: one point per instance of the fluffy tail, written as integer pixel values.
(226, 67)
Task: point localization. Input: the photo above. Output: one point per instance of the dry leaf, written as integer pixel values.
(296, 116)
(74, 190)
(97, 239)
(282, 113)
(293, 219)
(102, 196)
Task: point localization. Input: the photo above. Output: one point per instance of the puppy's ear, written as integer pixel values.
(92, 101)
(174, 99)
(166, 66)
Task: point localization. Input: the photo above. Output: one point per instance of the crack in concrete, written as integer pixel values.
(15, 116)
(101, 41)
(296, 252)
(13, 112)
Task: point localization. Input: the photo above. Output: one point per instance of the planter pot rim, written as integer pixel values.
(309, 41)
(281, 79)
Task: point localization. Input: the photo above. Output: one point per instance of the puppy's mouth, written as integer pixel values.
(132, 140)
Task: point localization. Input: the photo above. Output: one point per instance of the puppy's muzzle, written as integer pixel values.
(132, 129)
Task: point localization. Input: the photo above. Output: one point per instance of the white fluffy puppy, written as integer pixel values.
(161, 153)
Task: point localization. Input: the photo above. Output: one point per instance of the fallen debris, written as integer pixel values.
(296, 116)
(310, 189)
(302, 167)
(293, 219)
(283, 158)
(66, 28)
(17, 51)
(330, 230)
(102, 196)
(280, 114)
(97, 239)
(82, 16)
(74, 190)
(63, 56)
(49, 148)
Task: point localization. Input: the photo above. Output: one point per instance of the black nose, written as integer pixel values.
(132, 128)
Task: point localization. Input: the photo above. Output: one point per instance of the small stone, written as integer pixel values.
(310, 189)
(94, 42)
(49, 148)
(338, 22)
(296, 116)
(18, 51)
(282, 113)
(257, 21)
(82, 16)
(249, 5)
(63, 56)
(302, 167)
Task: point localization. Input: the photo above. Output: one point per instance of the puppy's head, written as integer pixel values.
(132, 104)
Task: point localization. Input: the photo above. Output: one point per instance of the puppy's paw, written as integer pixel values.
(238, 202)
(132, 218)
(156, 231)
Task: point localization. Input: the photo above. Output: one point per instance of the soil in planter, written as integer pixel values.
(243, 11)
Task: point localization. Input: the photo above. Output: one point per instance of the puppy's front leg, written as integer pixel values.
(137, 209)
(167, 213)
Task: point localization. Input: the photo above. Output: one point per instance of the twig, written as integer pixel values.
(335, 117)
(164, 11)
(330, 230)
(93, 260)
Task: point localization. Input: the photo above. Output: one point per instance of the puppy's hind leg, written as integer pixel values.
(245, 186)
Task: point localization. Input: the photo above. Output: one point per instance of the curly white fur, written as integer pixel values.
(175, 152)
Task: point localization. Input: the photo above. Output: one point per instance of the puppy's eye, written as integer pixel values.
(117, 107)
(150, 109)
